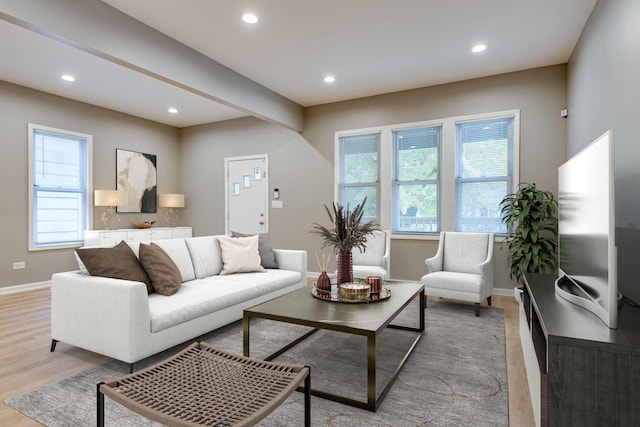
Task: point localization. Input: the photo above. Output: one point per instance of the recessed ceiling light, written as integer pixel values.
(329, 79)
(250, 18)
(479, 48)
(68, 78)
(173, 110)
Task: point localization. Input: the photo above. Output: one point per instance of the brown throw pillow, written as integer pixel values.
(164, 273)
(118, 262)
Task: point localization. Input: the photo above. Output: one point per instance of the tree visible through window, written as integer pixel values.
(425, 177)
(417, 179)
(359, 174)
(59, 179)
(483, 174)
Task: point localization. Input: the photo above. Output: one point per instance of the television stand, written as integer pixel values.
(580, 372)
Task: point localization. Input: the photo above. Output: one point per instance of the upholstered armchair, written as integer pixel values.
(462, 268)
(375, 260)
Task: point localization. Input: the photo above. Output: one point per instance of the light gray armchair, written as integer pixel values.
(375, 260)
(462, 268)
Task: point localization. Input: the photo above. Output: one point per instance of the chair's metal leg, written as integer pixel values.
(489, 300)
(307, 399)
(477, 309)
(100, 406)
(53, 345)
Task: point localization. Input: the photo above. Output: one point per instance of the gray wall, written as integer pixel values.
(191, 160)
(110, 130)
(603, 94)
(302, 165)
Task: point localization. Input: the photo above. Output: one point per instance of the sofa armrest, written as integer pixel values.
(104, 315)
(294, 260)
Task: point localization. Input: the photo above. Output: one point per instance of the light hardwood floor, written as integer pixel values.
(26, 363)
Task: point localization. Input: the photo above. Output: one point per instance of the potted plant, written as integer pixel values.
(347, 231)
(530, 216)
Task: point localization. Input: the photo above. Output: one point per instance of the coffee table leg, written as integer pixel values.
(371, 372)
(423, 305)
(245, 335)
(100, 414)
(307, 399)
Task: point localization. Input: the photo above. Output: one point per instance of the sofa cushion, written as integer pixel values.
(265, 249)
(162, 271)
(117, 262)
(204, 296)
(239, 254)
(178, 252)
(205, 255)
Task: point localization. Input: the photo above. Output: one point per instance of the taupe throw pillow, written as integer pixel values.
(267, 255)
(164, 273)
(118, 262)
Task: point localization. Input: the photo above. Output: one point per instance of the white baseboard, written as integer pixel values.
(25, 287)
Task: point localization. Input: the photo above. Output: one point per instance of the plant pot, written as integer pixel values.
(345, 267)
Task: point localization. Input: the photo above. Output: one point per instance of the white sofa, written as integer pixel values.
(119, 319)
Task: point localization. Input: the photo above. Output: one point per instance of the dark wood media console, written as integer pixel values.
(589, 374)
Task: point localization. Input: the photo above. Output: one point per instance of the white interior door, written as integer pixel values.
(247, 194)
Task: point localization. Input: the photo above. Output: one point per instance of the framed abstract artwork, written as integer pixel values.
(136, 174)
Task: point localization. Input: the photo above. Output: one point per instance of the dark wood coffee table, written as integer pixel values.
(366, 319)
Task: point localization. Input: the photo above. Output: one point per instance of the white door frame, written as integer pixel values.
(226, 187)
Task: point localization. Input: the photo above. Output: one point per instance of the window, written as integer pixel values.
(59, 182)
(416, 184)
(484, 169)
(426, 177)
(359, 172)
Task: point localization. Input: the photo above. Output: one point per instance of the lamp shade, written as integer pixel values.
(109, 198)
(171, 200)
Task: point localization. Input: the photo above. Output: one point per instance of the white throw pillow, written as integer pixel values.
(239, 254)
(205, 254)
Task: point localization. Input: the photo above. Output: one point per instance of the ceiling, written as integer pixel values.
(370, 46)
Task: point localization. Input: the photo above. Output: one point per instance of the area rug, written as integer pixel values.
(456, 376)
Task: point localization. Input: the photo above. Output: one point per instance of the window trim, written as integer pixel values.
(447, 166)
(32, 128)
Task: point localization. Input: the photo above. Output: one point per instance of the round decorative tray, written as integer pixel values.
(336, 296)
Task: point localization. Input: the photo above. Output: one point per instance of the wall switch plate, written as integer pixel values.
(276, 204)
(19, 265)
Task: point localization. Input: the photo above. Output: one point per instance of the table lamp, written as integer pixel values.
(171, 201)
(111, 199)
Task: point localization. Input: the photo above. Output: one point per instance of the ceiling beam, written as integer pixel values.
(103, 31)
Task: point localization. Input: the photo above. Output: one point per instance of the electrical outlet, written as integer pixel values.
(19, 265)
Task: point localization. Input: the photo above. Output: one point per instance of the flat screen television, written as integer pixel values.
(586, 230)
